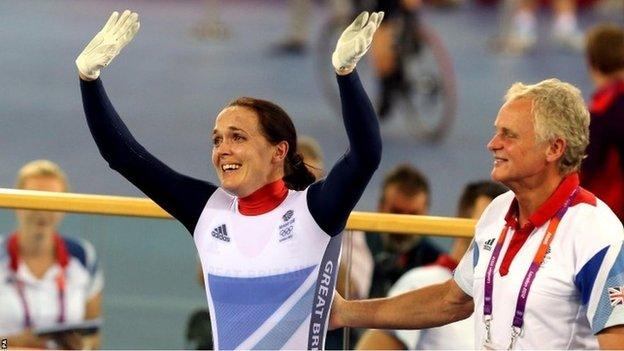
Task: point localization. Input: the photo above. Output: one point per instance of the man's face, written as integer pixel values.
(518, 154)
(398, 202)
(243, 158)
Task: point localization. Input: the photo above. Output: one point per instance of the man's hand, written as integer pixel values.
(355, 41)
(116, 34)
(336, 309)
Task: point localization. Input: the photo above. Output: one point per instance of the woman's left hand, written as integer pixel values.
(355, 41)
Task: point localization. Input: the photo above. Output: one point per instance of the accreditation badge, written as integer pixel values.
(493, 346)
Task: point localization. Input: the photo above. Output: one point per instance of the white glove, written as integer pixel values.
(355, 41)
(117, 33)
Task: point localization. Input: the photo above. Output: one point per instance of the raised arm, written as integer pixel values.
(182, 196)
(331, 200)
(429, 307)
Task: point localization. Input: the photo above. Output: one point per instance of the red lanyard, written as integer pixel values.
(62, 259)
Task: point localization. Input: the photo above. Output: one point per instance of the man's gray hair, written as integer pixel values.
(558, 111)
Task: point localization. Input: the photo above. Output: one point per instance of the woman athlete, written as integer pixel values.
(268, 239)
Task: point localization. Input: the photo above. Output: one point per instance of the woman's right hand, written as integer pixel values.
(114, 36)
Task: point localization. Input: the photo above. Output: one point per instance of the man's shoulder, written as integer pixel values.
(596, 222)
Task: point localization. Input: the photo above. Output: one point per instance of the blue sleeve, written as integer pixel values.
(586, 277)
(182, 196)
(332, 199)
(601, 284)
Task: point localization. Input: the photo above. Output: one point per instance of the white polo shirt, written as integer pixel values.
(578, 290)
(84, 280)
(454, 336)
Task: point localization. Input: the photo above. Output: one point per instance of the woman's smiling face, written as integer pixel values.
(242, 156)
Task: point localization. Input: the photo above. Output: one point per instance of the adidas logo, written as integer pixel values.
(220, 233)
(488, 244)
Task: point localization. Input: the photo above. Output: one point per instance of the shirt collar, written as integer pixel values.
(550, 207)
(264, 199)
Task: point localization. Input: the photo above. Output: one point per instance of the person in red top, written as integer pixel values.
(603, 171)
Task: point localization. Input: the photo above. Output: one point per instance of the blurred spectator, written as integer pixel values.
(299, 15)
(459, 335)
(211, 27)
(361, 267)
(311, 151)
(46, 280)
(199, 331)
(405, 190)
(521, 34)
(613, 8)
(389, 49)
(602, 172)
